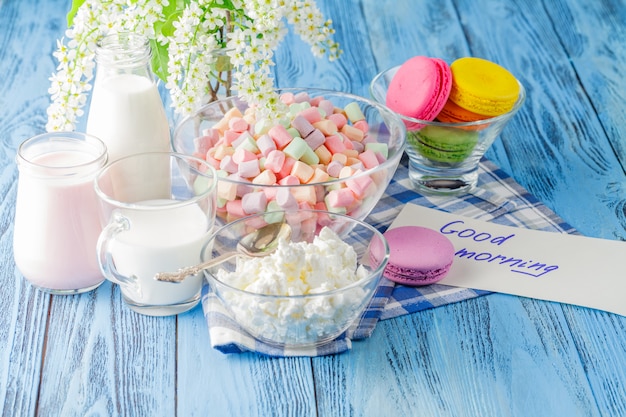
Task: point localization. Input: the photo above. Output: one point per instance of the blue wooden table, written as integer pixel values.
(495, 355)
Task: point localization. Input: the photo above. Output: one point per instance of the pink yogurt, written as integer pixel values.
(56, 221)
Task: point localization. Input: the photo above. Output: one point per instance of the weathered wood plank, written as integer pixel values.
(595, 39)
(23, 311)
(101, 358)
(558, 114)
(600, 341)
(478, 357)
(211, 383)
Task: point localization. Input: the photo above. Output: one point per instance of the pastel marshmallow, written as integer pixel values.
(342, 197)
(238, 124)
(353, 133)
(326, 106)
(362, 125)
(349, 144)
(255, 202)
(266, 177)
(353, 112)
(358, 146)
(302, 125)
(265, 144)
(287, 98)
(327, 127)
(319, 175)
(222, 125)
(286, 168)
(323, 154)
(280, 135)
(285, 199)
(378, 147)
(275, 161)
(203, 143)
(235, 208)
(221, 151)
(359, 185)
(249, 169)
(228, 165)
(310, 157)
(351, 153)
(314, 101)
(315, 139)
(289, 180)
(335, 144)
(369, 159)
(296, 148)
(247, 142)
(338, 119)
(241, 155)
(302, 97)
(230, 136)
(302, 171)
(340, 157)
(306, 194)
(346, 172)
(312, 114)
(334, 168)
(226, 190)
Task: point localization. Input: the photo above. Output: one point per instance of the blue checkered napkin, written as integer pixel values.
(498, 198)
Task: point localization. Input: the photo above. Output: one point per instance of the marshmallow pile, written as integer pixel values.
(320, 156)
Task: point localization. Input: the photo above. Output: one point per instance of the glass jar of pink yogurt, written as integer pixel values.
(56, 221)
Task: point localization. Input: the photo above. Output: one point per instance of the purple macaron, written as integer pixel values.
(417, 255)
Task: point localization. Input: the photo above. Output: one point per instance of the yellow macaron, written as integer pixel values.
(483, 87)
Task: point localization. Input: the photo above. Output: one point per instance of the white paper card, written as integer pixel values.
(550, 266)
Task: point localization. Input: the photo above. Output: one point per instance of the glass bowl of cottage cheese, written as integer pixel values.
(311, 288)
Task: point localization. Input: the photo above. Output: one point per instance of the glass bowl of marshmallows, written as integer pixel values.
(310, 287)
(331, 151)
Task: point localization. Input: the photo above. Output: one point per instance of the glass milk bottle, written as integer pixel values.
(126, 111)
(56, 212)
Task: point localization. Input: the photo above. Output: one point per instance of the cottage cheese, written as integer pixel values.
(305, 270)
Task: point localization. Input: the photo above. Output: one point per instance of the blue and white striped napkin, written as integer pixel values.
(498, 198)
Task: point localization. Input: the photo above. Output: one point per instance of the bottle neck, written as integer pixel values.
(124, 53)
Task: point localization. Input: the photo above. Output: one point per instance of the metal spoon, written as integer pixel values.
(261, 242)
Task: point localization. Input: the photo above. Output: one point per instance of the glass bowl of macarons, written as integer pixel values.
(331, 151)
(453, 114)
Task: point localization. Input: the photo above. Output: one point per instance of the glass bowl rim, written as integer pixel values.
(376, 273)
(388, 115)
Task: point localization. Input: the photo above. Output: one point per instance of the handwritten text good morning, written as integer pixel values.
(514, 263)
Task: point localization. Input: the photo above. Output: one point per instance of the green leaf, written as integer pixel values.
(223, 63)
(70, 15)
(159, 60)
(166, 28)
(175, 6)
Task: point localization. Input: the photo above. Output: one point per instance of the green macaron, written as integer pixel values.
(443, 144)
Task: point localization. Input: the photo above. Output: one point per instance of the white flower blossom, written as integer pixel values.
(206, 42)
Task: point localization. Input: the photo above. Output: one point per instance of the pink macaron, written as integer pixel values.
(417, 255)
(420, 88)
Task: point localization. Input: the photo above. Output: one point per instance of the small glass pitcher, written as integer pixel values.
(56, 212)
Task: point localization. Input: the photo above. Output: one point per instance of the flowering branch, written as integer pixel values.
(198, 45)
